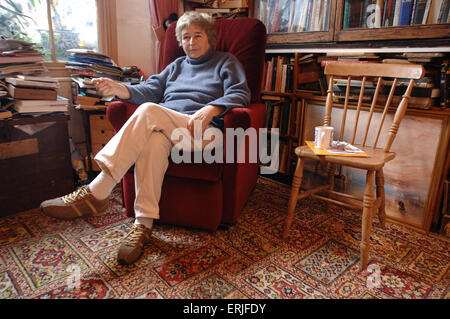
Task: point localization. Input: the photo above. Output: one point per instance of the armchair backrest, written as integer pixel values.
(245, 38)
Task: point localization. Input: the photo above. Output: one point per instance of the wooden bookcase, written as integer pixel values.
(426, 38)
(334, 11)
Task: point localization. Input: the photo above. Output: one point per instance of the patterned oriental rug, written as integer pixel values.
(41, 257)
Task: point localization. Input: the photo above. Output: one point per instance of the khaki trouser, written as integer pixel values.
(145, 140)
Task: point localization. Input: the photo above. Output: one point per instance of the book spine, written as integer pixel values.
(346, 11)
(326, 14)
(419, 12)
(275, 18)
(316, 15)
(405, 12)
(304, 14)
(308, 15)
(378, 13)
(398, 4)
(426, 12)
(443, 13)
(365, 13)
(413, 11)
(390, 17)
(385, 20)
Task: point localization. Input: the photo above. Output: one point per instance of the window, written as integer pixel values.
(74, 24)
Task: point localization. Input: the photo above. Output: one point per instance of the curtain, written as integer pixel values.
(107, 28)
(159, 10)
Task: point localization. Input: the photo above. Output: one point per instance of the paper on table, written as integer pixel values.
(349, 150)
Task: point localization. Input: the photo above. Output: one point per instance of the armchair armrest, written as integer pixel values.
(118, 113)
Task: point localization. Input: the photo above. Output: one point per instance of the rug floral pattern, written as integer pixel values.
(41, 257)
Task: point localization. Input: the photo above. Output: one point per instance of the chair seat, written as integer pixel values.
(199, 171)
(376, 160)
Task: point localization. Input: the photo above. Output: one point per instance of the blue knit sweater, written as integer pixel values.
(187, 85)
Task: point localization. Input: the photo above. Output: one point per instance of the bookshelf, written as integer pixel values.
(410, 19)
(351, 20)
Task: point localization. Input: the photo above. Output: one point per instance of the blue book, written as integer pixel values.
(405, 12)
(85, 60)
(308, 15)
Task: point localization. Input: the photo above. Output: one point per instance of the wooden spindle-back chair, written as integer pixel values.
(384, 75)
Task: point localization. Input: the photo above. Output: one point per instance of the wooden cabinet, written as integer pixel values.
(99, 131)
(382, 28)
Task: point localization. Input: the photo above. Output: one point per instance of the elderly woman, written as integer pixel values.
(201, 86)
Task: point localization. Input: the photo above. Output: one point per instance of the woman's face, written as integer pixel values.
(194, 41)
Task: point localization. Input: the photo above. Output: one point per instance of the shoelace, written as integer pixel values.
(76, 195)
(134, 237)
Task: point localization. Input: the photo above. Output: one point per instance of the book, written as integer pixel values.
(31, 93)
(398, 4)
(426, 12)
(39, 84)
(86, 100)
(41, 106)
(419, 11)
(60, 101)
(443, 12)
(379, 13)
(352, 14)
(308, 15)
(365, 13)
(349, 150)
(20, 59)
(36, 78)
(5, 114)
(388, 16)
(405, 12)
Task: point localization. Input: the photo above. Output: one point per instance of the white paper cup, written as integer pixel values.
(323, 136)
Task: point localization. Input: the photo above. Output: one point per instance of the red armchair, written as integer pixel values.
(206, 195)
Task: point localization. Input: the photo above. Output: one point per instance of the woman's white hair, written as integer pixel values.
(201, 19)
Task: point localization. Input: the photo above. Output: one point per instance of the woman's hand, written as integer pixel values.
(205, 115)
(107, 87)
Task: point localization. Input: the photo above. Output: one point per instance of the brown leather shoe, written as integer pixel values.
(132, 246)
(76, 204)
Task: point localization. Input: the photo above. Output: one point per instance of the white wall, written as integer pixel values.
(135, 36)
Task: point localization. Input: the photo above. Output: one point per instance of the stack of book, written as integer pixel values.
(88, 63)
(35, 94)
(17, 56)
(278, 75)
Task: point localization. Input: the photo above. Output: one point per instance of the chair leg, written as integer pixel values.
(379, 180)
(368, 206)
(296, 183)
